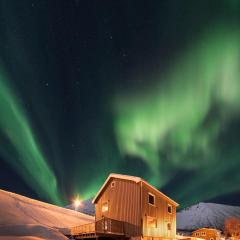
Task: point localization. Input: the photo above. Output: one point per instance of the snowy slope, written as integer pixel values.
(205, 215)
(21, 238)
(30, 230)
(23, 216)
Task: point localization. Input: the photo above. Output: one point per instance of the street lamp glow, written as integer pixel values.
(77, 202)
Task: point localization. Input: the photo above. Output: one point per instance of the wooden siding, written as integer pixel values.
(127, 201)
(158, 211)
(123, 204)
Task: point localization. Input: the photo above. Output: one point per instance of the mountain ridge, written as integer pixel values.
(212, 215)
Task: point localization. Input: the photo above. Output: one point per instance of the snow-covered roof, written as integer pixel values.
(205, 229)
(130, 178)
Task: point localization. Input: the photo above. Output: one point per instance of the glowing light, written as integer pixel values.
(105, 207)
(77, 202)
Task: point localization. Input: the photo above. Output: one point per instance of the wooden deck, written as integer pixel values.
(105, 227)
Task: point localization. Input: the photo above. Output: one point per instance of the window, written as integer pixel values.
(203, 233)
(105, 225)
(151, 222)
(151, 199)
(211, 238)
(169, 208)
(197, 234)
(105, 207)
(112, 184)
(169, 227)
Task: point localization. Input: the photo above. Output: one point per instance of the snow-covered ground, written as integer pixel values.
(21, 238)
(25, 218)
(205, 215)
(22, 218)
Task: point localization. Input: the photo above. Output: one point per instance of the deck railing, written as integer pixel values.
(103, 226)
(85, 228)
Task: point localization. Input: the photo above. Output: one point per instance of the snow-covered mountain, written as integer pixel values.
(86, 207)
(31, 219)
(205, 215)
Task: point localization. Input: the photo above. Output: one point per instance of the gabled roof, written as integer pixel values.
(205, 229)
(130, 178)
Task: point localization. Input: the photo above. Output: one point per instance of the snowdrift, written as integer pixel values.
(31, 219)
(20, 231)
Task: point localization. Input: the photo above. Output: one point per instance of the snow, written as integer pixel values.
(126, 177)
(26, 218)
(31, 230)
(202, 215)
(21, 238)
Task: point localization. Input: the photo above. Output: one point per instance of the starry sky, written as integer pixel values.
(146, 88)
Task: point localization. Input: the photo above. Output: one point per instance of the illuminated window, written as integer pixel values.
(151, 222)
(151, 199)
(169, 208)
(105, 225)
(112, 184)
(169, 227)
(105, 207)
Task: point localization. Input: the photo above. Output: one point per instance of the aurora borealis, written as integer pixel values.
(179, 109)
(142, 88)
(19, 138)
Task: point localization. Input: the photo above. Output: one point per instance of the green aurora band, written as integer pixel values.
(169, 126)
(22, 150)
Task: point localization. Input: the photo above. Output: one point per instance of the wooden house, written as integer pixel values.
(129, 207)
(207, 233)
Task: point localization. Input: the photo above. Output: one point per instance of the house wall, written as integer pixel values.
(160, 212)
(123, 204)
(208, 234)
(128, 202)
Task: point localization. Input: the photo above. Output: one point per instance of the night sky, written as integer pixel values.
(146, 88)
